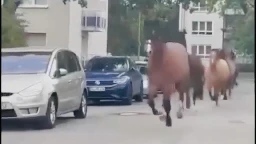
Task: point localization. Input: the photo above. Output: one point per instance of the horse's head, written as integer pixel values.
(225, 54)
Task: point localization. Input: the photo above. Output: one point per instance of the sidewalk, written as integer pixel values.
(243, 75)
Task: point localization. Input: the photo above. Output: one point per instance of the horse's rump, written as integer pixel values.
(219, 76)
(196, 67)
(222, 70)
(168, 62)
(176, 61)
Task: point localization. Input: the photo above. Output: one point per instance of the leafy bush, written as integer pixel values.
(12, 28)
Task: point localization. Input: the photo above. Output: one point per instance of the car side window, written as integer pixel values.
(61, 60)
(75, 58)
(72, 67)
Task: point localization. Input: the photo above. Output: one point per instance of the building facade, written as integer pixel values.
(51, 23)
(204, 30)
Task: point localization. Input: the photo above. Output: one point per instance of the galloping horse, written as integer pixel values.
(195, 81)
(217, 76)
(168, 65)
(229, 56)
(196, 76)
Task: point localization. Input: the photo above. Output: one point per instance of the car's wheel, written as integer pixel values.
(48, 121)
(139, 97)
(128, 100)
(82, 111)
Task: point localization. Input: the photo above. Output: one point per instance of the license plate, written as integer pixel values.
(5, 105)
(97, 89)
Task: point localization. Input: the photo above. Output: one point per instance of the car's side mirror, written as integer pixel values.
(61, 72)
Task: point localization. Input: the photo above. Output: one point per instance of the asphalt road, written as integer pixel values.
(230, 123)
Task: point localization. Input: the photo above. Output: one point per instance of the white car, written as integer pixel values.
(41, 83)
(142, 67)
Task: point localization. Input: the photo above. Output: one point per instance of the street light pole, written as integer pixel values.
(139, 43)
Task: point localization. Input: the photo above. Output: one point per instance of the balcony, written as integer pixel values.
(94, 21)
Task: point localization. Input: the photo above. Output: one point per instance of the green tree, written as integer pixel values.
(83, 3)
(244, 34)
(244, 5)
(12, 27)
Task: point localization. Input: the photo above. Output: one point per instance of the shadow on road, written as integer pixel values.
(28, 125)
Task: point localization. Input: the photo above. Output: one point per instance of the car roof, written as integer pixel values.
(30, 49)
(124, 57)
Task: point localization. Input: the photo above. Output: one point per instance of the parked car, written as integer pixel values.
(41, 83)
(113, 78)
(142, 66)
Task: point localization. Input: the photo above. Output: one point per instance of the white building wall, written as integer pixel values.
(75, 32)
(97, 41)
(59, 25)
(215, 40)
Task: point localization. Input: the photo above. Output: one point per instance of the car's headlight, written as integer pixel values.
(32, 91)
(121, 80)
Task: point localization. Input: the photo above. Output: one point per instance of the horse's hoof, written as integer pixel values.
(156, 112)
(225, 98)
(162, 117)
(179, 115)
(168, 122)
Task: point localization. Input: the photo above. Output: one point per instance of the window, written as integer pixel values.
(72, 65)
(61, 60)
(25, 62)
(33, 2)
(78, 67)
(200, 7)
(106, 64)
(202, 28)
(202, 51)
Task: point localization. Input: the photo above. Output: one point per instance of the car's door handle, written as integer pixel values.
(69, 81)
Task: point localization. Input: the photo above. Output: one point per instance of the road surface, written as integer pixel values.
(230, 123)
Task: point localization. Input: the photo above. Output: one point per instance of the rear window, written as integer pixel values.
(107, 64)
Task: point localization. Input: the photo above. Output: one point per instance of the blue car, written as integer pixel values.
(113, 78)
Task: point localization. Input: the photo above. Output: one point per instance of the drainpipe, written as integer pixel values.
(139, 21)
(223, 30)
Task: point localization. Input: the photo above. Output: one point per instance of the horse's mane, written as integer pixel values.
(157, 53)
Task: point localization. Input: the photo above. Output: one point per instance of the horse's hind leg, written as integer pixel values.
(210, 94)
(194, 96)
(151, 102)
(188, 104)
(216, 96)
(225, 95)
(181, 99)
(167, 106)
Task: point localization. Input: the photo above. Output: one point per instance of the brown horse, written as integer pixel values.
(217, 76)
(229, 56)
(196, 76)
(195, 81)
(168, 65)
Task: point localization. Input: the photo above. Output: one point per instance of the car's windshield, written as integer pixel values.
(25, 62)
(107, 64)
